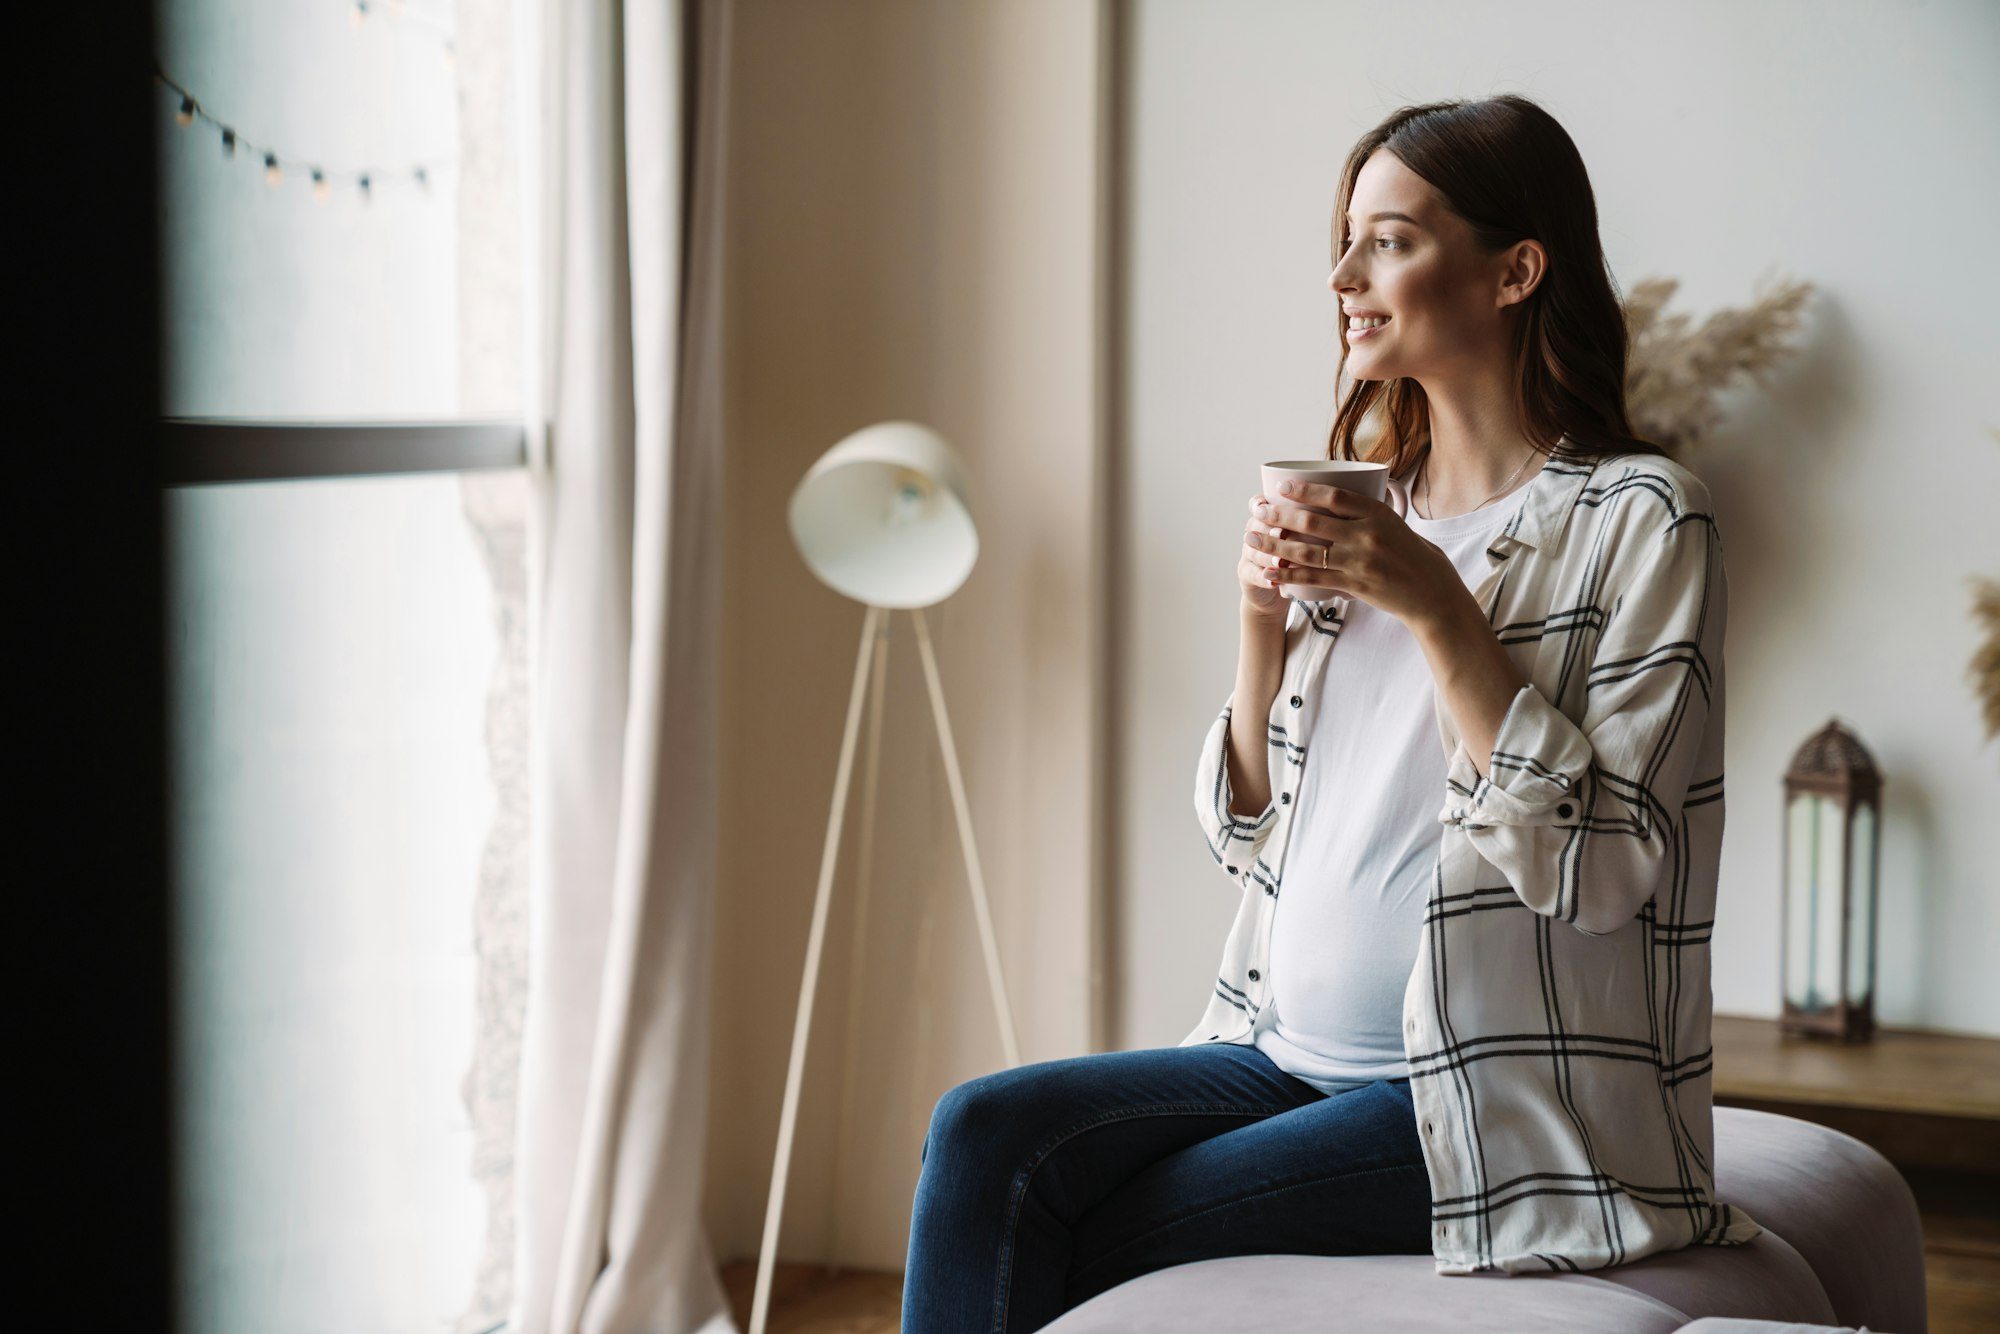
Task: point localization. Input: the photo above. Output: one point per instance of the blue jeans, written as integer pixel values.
(1049, 1183)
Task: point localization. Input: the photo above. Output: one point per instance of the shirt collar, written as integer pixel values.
(1551, 498)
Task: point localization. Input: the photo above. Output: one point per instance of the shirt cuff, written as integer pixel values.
(1235, 841)
(1226, 797)
(1536, 775)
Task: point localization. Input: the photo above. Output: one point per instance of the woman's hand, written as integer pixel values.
(1260, 595)
(1370, 553)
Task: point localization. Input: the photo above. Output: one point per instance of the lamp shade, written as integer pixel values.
(882, 517)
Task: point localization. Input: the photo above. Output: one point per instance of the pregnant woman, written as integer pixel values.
(1471, 804)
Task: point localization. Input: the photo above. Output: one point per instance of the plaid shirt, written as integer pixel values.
(1556, 1022)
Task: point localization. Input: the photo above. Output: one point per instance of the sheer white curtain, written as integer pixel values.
(625, 564)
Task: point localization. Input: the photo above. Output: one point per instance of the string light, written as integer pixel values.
(358, 11)
(189, 109)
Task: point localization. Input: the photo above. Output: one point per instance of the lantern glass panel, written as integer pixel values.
(1860, 935)
(1813, 902)
(1829, 876)
(1800, 846)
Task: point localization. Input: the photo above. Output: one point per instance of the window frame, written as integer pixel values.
(208, 451)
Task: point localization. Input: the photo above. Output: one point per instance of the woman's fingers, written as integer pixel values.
(1285, 549)
(1299, 519)
(1259, 540)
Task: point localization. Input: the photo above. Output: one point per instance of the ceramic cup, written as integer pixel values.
(1370, 479)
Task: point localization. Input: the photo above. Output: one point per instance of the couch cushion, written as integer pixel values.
(1270, 1293)
(1710, 1324)
(1763, 1279)
(1840, 1204)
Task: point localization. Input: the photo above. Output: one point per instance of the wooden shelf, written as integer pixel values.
(1922, 1098)
(1901, 1070)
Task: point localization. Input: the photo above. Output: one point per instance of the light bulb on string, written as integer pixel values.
(188, 109)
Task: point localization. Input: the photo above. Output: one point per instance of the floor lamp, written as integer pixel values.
(881, 518)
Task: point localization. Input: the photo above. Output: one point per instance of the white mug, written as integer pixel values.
(1370, 479)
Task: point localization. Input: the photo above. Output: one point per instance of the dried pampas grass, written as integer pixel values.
(1673, 374)
(1985, 671)
(1985, 668)
(1672, 379)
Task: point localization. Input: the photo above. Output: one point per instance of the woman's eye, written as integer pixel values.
(1387, 241)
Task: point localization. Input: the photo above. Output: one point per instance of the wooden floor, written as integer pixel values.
(813, 1298)
(1961, 1216)
(1961, 1213)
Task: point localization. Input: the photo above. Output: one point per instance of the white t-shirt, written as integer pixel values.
(1366, 837)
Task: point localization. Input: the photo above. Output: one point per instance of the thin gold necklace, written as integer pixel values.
(1424, 480)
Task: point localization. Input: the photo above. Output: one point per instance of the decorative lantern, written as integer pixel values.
(1832, 851)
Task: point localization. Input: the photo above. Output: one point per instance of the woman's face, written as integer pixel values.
(1411, 259)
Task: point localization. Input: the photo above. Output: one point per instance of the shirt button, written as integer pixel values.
(1296, 701)
(1253, 974)
(1232, 870)
(1410, 1024)
(1284, 798)
(1326, 614)
(1565, 810)
(1272, 890)
(1427, 1127)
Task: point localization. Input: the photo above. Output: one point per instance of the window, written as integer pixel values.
(343, 365)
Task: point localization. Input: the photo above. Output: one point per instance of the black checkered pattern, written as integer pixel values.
(1557, 1020)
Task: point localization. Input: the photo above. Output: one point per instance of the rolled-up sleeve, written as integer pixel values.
(1584, 818)
(1234, 841)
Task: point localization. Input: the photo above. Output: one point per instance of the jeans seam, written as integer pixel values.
(1056, 1141)
(1275, 1190)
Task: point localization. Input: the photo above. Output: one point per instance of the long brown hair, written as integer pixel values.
(1510, 170)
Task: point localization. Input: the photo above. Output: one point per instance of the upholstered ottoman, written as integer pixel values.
(1842, 1247)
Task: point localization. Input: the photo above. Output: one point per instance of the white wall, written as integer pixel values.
(1856, 146)
(913, 233)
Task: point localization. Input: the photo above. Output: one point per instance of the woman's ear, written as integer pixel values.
(1525, 263)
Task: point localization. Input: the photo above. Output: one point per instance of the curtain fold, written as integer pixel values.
(627, 575)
